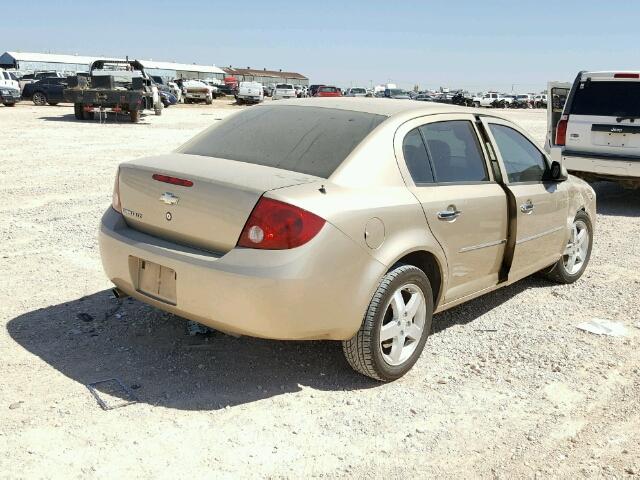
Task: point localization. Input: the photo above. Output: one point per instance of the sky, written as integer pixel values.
(475, 45)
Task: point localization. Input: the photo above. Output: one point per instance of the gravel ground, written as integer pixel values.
(507, 386)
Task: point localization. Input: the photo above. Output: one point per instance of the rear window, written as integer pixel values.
(284, 86)
(611, 99)
(310, 140)
(328, 89)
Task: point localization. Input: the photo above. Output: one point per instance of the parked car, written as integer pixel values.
(250, 92)
(492, 99)
(226, 89)
(283, 90)
(540, 101)
(9, 89)
(167, 98)
(195, 91)
(360, 215)
(523, 101)
(46, 91)
(174, 88)
(356, 92)
(595, 133)
(423, 97)
(328, 91)
(396, 93)
(313, 89)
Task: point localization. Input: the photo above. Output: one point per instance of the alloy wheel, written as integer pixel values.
(577, 248)
(403, 324)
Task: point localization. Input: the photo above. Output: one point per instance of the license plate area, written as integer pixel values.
(156, 281)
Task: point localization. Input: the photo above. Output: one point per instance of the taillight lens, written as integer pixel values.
(561, 130)
(115, 198)
(275, 225)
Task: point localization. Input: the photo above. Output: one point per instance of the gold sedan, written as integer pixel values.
(345, 219)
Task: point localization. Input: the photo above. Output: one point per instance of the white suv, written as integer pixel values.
(284, 90)
(9, 88)
(595, 133)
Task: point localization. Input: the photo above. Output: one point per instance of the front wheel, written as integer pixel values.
(39, 99)
(395, 326)
(576, 254)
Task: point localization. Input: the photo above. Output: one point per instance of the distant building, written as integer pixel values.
(26, 62)
(265, 76)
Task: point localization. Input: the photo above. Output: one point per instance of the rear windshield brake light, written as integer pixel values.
(626, 75)
(172, 180)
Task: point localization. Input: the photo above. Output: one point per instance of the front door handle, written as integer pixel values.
(527, 207)
(449, 215)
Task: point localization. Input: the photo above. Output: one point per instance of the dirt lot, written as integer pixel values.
(507, 386)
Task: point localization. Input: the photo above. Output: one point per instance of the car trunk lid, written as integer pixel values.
(208, 214)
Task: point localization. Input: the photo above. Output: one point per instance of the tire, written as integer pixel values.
(39, 99)
(208, 101)
(476, 104)
(53, 104)
(134, 115)
(158, 109)
(88, 115)
(365, 351)
(564, 271)
(78, 111)
(9, 104)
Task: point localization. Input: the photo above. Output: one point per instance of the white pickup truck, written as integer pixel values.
(488, 99)
(593, 126)
(250, 92)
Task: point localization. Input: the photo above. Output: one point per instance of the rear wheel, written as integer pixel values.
(39, 99)
(395, 327)
(577, 253)
(134, 115)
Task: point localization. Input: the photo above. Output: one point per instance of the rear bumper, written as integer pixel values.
(605, 167)
(318, 291)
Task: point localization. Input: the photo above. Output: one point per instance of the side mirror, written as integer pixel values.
(557, 172)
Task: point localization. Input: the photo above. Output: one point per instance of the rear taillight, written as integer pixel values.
(626, 75)
(115, 197)
(275, 225)
(561, 130)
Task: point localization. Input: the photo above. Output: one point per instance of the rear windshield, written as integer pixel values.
(311, 140)
(611, 99)
(284, 86)
(358, 90)
(328, 89)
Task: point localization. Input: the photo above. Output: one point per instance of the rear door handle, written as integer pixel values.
(527, 207)
(449, 215)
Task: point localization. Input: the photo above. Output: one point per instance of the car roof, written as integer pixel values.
(384, 106)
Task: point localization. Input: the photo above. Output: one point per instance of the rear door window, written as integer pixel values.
(454, 152)
(416, 158)
(522, 160)
(311, 140)
(610, 99)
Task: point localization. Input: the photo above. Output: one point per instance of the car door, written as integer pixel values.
(55, 89)
(541, 205)
(558, 92)
(445, 168)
